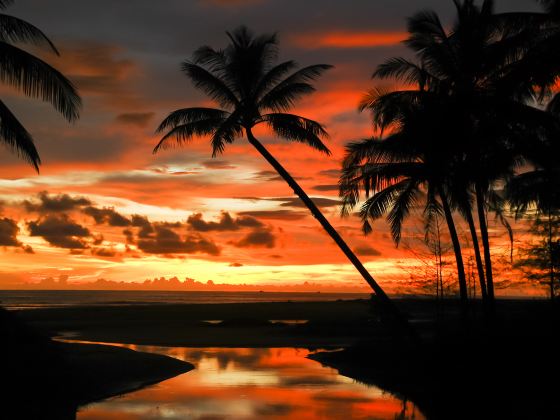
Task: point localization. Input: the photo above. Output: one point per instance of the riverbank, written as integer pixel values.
(464, 369)
(504, 369)
(45, 379)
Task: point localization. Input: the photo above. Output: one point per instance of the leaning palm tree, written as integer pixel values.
(251, 88)
(34, 78)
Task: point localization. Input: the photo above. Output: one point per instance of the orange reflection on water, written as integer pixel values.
(276, 383)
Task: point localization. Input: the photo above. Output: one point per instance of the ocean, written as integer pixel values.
(30, 299)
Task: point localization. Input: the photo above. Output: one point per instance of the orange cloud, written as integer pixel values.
(348, 39)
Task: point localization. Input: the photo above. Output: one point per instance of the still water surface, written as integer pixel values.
(252, 383)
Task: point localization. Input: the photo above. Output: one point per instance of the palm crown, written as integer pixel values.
(251, 89)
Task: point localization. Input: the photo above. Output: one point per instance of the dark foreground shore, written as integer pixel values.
(463, 368)
(45, 379)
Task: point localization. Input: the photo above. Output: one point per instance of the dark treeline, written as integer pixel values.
(476, 134)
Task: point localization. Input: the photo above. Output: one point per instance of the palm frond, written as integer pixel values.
(432, 211)
(394, 148)
(389, 109)
(272, 77)
(37, 79)
(404, 70)
(210, 84)
(227, 132)
(13, 29)
(295, 128)
(400, 209)
(16, 137)
(188, 115)
(283, 95)
(378, 204)
(181, 134)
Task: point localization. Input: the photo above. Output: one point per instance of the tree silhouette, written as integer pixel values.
(394, 172)
(252, 88)
(477, 67)
(34, 78)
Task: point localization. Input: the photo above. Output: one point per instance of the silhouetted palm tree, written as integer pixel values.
(539, 189)
(253, 89)
(416, 159)
(34, 78)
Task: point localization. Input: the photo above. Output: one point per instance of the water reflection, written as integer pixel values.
(233, 383)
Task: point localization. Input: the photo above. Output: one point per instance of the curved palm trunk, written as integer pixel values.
(485, 243)
(463, 292)
(387, 303)
(477, 256)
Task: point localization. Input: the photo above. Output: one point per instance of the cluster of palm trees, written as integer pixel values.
(471, 119)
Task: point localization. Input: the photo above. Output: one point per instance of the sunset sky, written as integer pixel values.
(104, 207)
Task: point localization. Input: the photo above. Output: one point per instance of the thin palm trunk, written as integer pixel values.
(485, 243)
(550, 255)
(463, 293)
(384, 300)
(477, 256)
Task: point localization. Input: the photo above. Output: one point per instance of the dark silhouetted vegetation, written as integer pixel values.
(34, 78)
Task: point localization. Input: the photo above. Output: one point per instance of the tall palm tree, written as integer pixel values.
(34, 78)
(252, 88)
(395, 171)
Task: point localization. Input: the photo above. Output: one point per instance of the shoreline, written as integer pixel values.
(51, 380)
(483, 369)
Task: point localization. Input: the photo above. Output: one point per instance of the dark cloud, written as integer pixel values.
(236, 264)
(60, 231)
(107, 215)
(296, 202)
(55, 203)
(218, 164)
(146, 229)
(366, 251)
(274, 410)
(166, 242)
(104, 252)
(332, 187)
(341, 397)
(267, 176)
(258, 238)
(332, 173)
(129, 235)
(276, 214)
(308, 381)
(8, 232)
(231, 3)
(140, 221)
(225, 223)
(139, 119)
